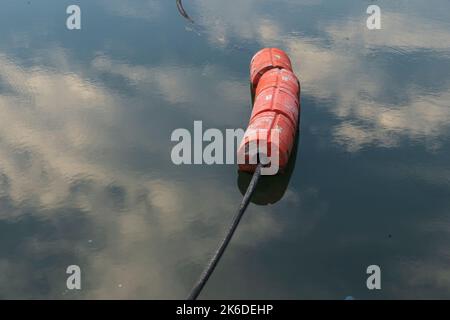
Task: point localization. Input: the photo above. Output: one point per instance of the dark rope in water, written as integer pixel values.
(183, 12)
(237, 218)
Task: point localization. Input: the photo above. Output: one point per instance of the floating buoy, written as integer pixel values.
(276, 107)
(265, 60)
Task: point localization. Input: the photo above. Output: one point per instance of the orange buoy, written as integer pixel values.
(276, 107)
(266, 59)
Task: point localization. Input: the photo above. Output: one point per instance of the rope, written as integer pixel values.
(209, 269)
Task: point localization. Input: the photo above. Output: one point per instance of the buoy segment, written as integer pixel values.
(265, 60)
(276, 107)
(279, 78)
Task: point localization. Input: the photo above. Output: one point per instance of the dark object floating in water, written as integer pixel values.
(183, 12)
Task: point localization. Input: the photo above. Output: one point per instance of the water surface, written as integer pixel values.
(86, 176)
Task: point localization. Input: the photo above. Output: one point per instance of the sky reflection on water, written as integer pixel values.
(85, 170)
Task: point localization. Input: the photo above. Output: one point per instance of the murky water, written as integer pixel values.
(86, 176)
